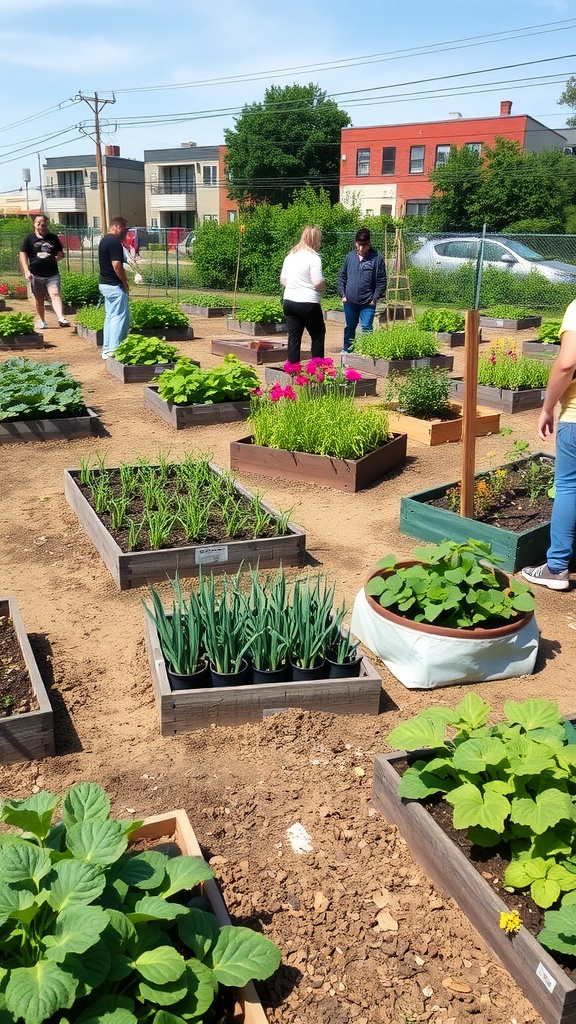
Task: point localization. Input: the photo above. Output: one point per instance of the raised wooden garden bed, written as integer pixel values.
(62, 428)
(454, 339)
(549, 350)
(266, 350)
(24, 737)
(196, 415)
(208, 312)
(501, 398)
(166, 333)
(95, 338)
(420, 519)
(337, 315)
(175, 836)
(20, 342)
(382, 367)
(185, 710)
(433, 432)
(524, 323)
(136, 568)
(138, 374)
(541, 979)
(359, 388)
(342, 474)
(257, 329)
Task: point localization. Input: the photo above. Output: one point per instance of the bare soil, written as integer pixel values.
(16, 691)
(366, 937)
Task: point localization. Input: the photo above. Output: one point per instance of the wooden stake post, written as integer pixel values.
(469, 412)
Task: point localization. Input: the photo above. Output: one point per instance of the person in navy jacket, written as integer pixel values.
(361, 282)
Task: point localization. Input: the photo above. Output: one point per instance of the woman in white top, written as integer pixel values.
(303, 282)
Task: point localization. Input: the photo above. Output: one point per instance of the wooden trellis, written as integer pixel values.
(399, 305)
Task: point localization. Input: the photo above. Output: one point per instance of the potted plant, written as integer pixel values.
(17, 332)
(269, 639)
(226, 639)
(321, 372)
(180, 632)
(205, 305)
(509, 318)
(507, 381)
(317, 435)
(139, 358)
(153, 316)
(310, 626)
(419, 405)
(110, 933)
(26, 717)
(342, 655)
(399, 348)
(258, 317)
(41, 401)
(90, 324)
(467, 790)
(447, 616)
(188, 396)
(447, 324)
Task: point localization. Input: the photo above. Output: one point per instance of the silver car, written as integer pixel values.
(502, 253)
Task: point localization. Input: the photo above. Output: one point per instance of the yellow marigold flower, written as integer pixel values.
(510, 922)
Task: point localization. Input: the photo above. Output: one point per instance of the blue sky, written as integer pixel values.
(380, 61)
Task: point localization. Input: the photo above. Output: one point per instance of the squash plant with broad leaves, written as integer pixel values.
(93, 933)
(30, 390)
(187, 384)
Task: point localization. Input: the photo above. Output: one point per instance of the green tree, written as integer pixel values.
(290, 140)
(568, 99)
(456, 183)
(520, 186)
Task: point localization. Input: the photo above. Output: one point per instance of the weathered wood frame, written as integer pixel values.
(541, 979)
(454, 339)
(136, 568)
(166, 333)
(207, 312)
(359, 388)
(341, 474)
(433, 432)
(20, 342)
(500, 398)
(177, 823)
(197, 415)
(257, 329)
(96, 338)
(383, 367)
(182, 711)
(138, 373)
(254, 356)
(524, 323)
(64, 428)
(29, 735)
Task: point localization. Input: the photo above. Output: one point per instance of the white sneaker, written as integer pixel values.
(105, 355)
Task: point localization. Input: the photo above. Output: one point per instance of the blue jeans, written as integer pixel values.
(354, 313)
(117, 322)
(563, 523)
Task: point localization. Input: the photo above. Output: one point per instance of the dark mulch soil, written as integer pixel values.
(16, 693)
(515, 509)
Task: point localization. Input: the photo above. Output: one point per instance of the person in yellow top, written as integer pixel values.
(554, 574)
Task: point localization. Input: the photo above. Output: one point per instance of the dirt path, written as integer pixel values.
(244, 787)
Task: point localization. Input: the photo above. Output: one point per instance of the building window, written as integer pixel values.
(362, 162)
(96, 223)
(231, 215)
(210, 175)
(417, 159)
(210, 216)
(474, 147)
(369, 213)
(154, 222)
(385, 211)
(417, 207)
(442, 154)
(93, 179)
(389, 160)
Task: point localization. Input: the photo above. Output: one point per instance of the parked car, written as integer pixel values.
(451, 253)
(186, 245)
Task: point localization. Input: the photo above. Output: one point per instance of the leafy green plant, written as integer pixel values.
(12, 324)
(511, 372)
(258, 312)
(79, 289)
(401, 341)
(29, 390)
(310, 620)
(549, 332)
(423, 392)
(179, 630)
(442, 321)
(187, 384)
(92, 932)
(503, 312)
(152, 314)
(334, 303)
(205, 299)
(92, 317)
(137, 350)
(451, 585)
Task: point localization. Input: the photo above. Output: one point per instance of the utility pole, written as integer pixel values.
(96, 105)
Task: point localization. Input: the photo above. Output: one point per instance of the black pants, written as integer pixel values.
(299, 316)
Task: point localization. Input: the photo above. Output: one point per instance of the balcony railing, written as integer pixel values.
(172, 188)
(64, 191)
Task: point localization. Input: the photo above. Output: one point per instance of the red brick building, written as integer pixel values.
(386, 168)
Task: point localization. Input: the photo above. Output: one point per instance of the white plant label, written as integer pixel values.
(545, 977)
(214, 553)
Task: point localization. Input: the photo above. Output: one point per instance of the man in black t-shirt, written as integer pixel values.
(114, 286)
(39, 256)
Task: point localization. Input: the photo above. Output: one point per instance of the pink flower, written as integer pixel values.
(3, 289)
(276, 392)
(292, 368)
(330, 371)
(301, 380)
(351, 374)
(257, 391)
(492, 359)
(512, 354)
(290, 393)
(320, 376)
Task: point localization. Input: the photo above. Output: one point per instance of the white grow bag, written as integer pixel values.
(425, 661)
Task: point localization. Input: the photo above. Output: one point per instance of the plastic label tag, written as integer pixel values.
(214, 553)
(545, 977)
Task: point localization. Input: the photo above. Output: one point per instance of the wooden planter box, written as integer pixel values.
(341, 474)
(258, 330)
(19, 342)
(382, 367)
(177, 836)
(541, 979)
(136, 374)
(455, 339)
(500, 398)
(58, 429)
(30, 735)
(426, 522)
(256, 353)
(433, 432)
(167, 333)
(539, 348)
(208, 312)
(136, 568)
(337, 315)
(95, 338)
(522, 324)
(359, 388)
(185, 710)
(2, 305)
(197, 415)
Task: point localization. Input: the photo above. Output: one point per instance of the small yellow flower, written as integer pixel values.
(490, 455)
(510, 922)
